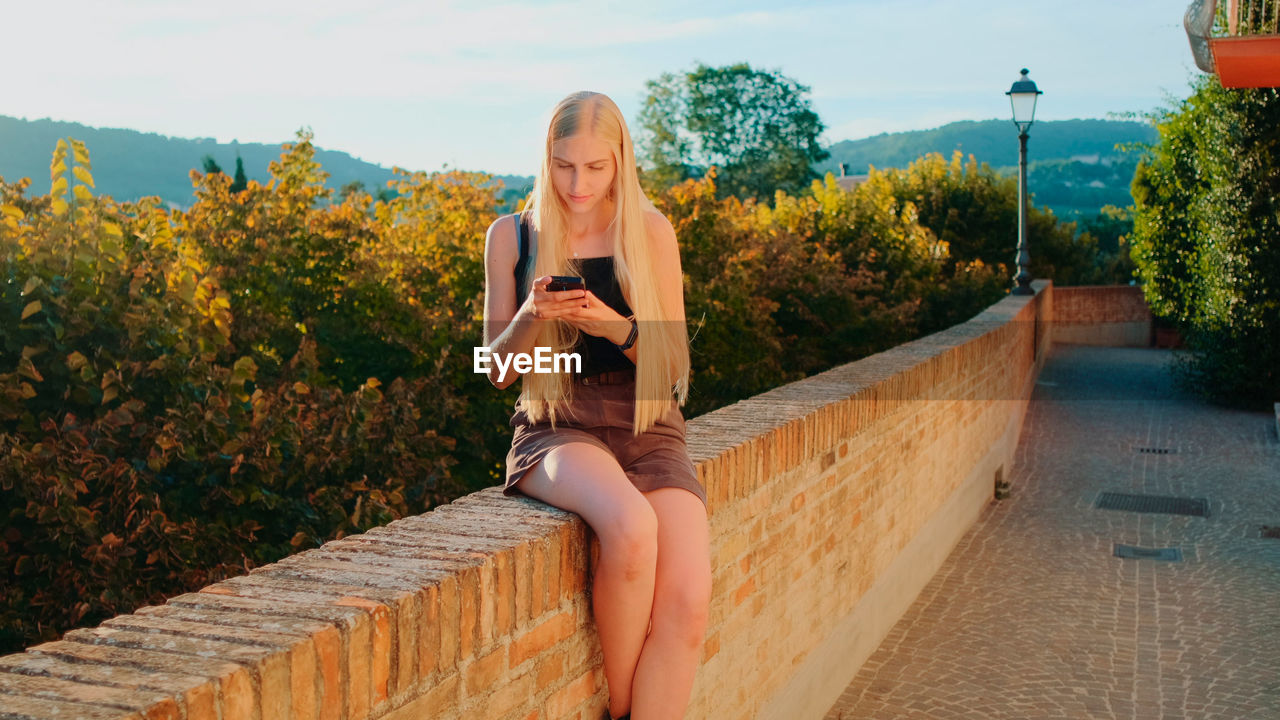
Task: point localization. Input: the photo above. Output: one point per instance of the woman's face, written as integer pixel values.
(582, 171)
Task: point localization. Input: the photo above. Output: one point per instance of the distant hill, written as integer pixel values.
(1073, 166)
(994, 142)
(128, 164)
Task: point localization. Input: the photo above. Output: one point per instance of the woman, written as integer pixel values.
(608, 442)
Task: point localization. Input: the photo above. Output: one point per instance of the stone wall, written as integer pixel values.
(833, 500)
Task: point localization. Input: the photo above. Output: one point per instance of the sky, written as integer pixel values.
(470, 85)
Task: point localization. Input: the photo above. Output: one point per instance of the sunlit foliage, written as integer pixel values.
(187, 394)
(1207, 236)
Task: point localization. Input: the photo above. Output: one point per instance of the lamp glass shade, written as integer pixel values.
(1024, 106)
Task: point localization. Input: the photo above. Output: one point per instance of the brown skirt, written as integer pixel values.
(601, 415)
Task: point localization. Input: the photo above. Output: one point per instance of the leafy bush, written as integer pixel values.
(386, 290)
(768, 298)
(775, 293)
(142, 452)
(1207, 237)
(185, 395)
(974, 211)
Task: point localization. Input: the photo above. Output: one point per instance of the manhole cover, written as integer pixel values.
(1141, 553)
(1166, 504)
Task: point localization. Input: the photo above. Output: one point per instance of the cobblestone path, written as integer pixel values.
(1033, 616)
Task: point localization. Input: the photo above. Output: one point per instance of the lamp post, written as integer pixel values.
(1022, 96)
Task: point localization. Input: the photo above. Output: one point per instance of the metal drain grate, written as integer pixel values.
(1269, 531)
(1156, 450)
(1141, 553)
(1166, 504)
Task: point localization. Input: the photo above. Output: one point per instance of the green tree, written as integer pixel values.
(210, 165)
(351, 188)
(1206, 236)
(757, 127)
(1112, 226)
(241, 182)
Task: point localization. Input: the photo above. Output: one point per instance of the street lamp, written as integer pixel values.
(1022, 96)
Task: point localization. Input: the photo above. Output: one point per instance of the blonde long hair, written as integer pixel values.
(662, 360)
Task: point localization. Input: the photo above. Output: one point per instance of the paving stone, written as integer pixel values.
(1033, 616)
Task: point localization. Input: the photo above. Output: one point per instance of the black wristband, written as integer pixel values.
(631, 337)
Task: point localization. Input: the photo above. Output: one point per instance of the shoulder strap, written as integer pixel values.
(524, 237)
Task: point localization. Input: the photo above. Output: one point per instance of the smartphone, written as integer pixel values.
(565, 282)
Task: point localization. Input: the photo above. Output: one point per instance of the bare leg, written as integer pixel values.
(673, 650)
(587, 480)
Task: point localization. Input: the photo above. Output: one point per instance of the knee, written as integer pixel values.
(682, 607)
(631, 541)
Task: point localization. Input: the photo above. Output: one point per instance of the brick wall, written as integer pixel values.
(1114, 315)
(833, 500)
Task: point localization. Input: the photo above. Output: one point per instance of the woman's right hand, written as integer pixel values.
(547, 305)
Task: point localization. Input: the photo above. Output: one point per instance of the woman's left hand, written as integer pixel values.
(597, 318)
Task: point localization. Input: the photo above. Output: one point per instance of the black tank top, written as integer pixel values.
(598, 354)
